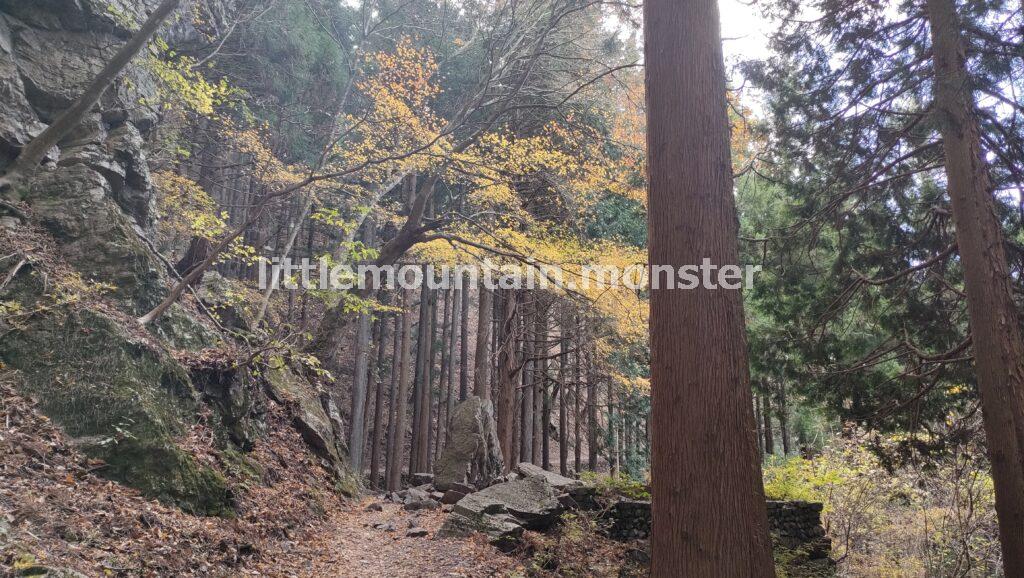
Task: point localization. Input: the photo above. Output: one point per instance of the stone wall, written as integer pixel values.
(792, 524)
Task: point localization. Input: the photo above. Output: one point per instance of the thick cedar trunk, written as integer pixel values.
(481, 361)
(766, 427)
(995, 329)
(539, 375)
(428, 391)
(401, 407)
(421, 390)
(709, 516)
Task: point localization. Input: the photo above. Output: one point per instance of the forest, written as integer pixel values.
(525, 288)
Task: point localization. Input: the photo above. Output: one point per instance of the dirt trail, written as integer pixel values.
(349, 545)
(55, 513)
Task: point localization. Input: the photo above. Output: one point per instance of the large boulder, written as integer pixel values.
(559, 482)
(531, 501)
(504, 510)
(472, 454)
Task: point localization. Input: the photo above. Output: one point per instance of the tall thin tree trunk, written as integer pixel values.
(428, 391)
(769, 436)
(378, 405)
(995, 327)
(539, 377)
(577, 416)
(460, 296)
(783, 411)
(526, 383)
(563, 391)
(613, 441)
(704, 460)
(361, 377)
(591, 414)
(481, 362)
(396, 372)
(464, 343)
(506, 376)
(398, 447)
(442, 379)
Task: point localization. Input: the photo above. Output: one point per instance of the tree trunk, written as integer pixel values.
(995, 328)
(442, 379)
(405, 367)
(591, 413)
(360, 379)
(506, 377)
(378, 406)
(769, 436)
(613, 441)
(396, 371)
(577, 415)
(545, 399)
(704, 458)
(539, 376)
(460, 296)
(199, 249)
(481, 362)
(464, 343)
(526, 383)
(563, 390)
(421, 388)
(783, 410)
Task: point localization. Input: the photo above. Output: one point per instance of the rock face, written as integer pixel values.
(315, 416)
(472, 454)
(124, 393)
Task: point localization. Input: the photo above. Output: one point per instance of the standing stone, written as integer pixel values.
(472, 454)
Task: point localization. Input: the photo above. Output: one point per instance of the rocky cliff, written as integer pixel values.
(76, 272)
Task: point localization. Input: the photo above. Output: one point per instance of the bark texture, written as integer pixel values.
(995, 328)
(705, 469)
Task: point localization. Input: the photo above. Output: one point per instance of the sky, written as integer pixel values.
(744, 30)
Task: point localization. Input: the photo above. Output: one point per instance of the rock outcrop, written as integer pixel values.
(472, 454)
(126, 394)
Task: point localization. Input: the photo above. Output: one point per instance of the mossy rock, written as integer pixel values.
(316, 419)
(74, 205)
(119, 399)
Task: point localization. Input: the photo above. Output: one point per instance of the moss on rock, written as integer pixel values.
(119, 399)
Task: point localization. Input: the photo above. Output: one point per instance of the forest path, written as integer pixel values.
(348, 545)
